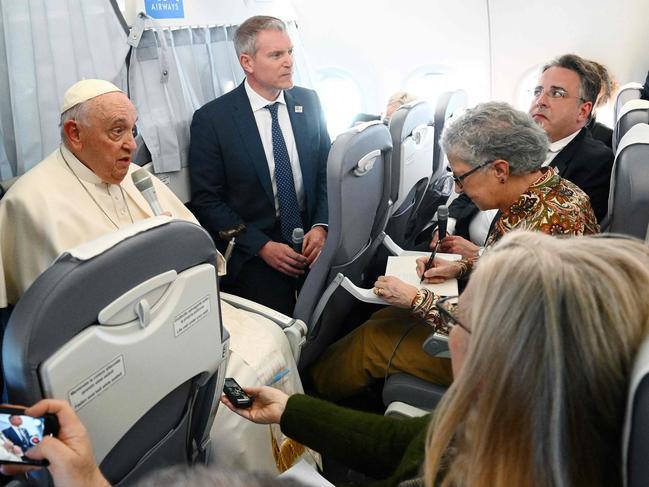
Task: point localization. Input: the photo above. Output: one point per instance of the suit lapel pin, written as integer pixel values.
(298, 108)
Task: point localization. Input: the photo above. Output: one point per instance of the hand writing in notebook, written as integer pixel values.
(441, 270)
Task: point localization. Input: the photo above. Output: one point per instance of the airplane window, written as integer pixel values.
(341, 99)
(428, 83)
(525, 87)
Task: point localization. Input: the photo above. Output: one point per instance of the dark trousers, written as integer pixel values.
(262, 284)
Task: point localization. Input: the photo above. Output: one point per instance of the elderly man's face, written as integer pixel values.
(559, 116)
(106, 143)
(270, 70)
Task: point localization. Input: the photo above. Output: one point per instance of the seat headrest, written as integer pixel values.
(638, 134)
(632, 105)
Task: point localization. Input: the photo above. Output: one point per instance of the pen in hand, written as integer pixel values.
(442, 222)
(429, 264)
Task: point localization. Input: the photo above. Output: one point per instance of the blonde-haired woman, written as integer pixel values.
(541, 379)
(542, 343)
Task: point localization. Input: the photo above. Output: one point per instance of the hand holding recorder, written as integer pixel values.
(70, 456)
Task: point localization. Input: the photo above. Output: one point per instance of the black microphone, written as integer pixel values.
(143, 183)
(297, 238)
(442, 221)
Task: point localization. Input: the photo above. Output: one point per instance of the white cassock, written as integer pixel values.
(53, 207)
(60, 204)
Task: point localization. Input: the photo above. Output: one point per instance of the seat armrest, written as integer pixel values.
(295, 330)
(400, 409)
(392, 247)
(238, 302)
(360, 293)
(436, 345)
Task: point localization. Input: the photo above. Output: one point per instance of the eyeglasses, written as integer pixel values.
(458, 179)
(449, 320)
(554, 93)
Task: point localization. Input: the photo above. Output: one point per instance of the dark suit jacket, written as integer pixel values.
(601, 132)
(16, 440)
(587, 163)
(230, 179)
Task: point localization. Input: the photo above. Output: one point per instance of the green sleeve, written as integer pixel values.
(368, 443)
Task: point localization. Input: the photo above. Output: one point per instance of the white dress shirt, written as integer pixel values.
(556, 147)
(264, 125)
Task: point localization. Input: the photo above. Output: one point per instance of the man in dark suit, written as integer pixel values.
(258, 156)
(563, 100)
(18, 434)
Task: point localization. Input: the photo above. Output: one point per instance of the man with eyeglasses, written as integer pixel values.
(562, 104)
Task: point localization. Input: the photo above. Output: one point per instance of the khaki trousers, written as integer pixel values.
(360, 358)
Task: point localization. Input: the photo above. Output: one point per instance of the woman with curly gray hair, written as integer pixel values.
(496, 153)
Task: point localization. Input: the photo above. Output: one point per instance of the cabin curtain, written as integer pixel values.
(175, 71)
(45, 47)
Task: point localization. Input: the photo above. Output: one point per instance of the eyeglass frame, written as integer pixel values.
(446, 316)
(563, 94)
(458, 179)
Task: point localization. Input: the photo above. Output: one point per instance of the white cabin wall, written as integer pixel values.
(526, 34)
(380, 42)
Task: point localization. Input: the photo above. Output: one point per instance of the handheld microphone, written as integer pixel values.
(143, 183)
(298, 239)
(442, 221)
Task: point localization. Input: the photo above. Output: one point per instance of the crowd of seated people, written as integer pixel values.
(578, 157)
(527, 298)
(540, 372)
(496, 154)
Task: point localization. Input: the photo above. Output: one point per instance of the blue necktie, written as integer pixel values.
(289, 209)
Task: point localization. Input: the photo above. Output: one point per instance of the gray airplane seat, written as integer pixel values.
(358, 189)
(407, 395)
(628, 204)
(412, 131)
(127, 329)
(626, 93)
(632, 113)
(448, 104)
(402, 390)
(635, 443)
(635, 469)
